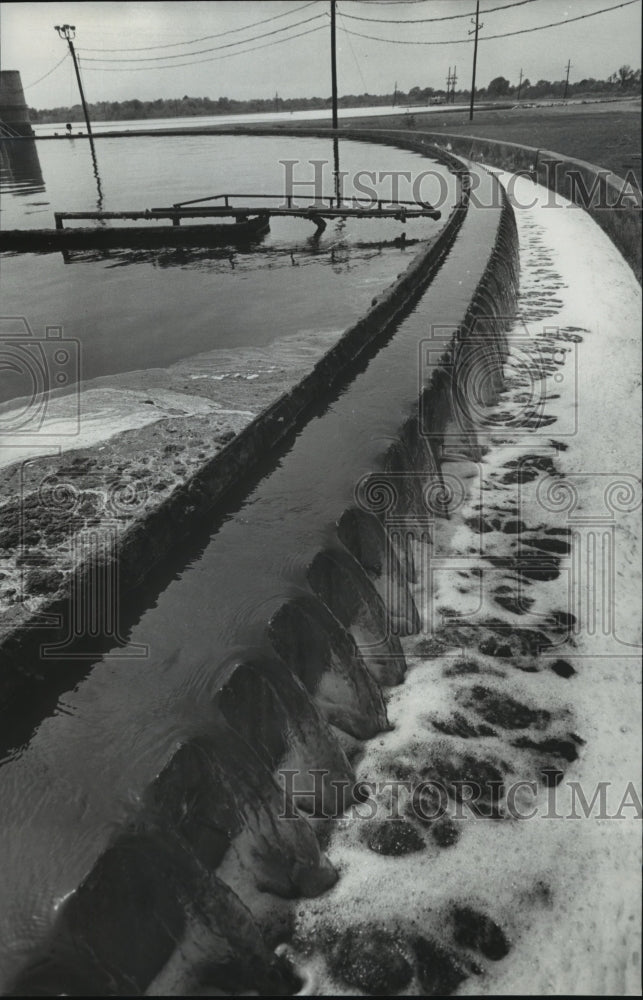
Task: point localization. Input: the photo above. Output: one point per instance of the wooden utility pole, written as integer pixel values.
(475, 31)
(519, 85)
(333, 59)
(567, 80)
(68, 32)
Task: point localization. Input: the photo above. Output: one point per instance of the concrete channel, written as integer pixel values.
(272, 650)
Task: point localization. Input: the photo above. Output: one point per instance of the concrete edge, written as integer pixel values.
(612, 201)
(145, 542)
(502, 255)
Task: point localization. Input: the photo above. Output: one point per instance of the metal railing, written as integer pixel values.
(334, 201)
(330, 206)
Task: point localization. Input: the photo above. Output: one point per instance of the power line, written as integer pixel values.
(568, 20)
(427, 20)
(27, 86)
(359, 68)
(213, 48)
(485, 38)
(196, 62)
(205, 38)
(389, 3)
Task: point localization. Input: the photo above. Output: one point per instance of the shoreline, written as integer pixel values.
(346, 119)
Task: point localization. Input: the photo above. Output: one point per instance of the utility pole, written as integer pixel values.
(567, 80)
(333, 59)
(68, 32)
(477, 27)
(451, 82)
(519, 85)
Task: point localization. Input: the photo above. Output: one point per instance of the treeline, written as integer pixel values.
(194, 106)
(624, 81)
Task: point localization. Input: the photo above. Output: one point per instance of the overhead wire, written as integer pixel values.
(44, 76)
(205, 38)
(359, 68)
(347, 31)
(197, 62)
(432, 20)
(213, 48)
(389, 3)
(485, 38)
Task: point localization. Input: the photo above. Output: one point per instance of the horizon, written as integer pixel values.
(596, 46)
(627, 95)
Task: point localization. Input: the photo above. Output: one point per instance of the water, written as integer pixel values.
(210, 121)
(130, 310)
(93, 736)
(70, 782)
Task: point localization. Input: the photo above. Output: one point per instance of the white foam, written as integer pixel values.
(582, 936)
(92, 416)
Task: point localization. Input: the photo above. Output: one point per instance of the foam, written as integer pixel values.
(566, 892)
(94, 415)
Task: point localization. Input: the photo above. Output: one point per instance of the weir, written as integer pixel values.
(267, 653)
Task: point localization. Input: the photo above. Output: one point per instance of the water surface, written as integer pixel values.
(125, 310)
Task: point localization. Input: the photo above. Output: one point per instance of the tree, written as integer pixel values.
(499, 87)
(625, 75)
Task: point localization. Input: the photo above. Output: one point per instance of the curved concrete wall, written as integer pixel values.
(613, 202)
(153, 899)
(146, 542)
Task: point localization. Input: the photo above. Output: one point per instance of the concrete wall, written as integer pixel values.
(147, 541)
(154, 892)
(613, 202)
(14, 113)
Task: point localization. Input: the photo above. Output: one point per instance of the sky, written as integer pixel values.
(300, 67)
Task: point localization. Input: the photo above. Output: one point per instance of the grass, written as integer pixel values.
(605, 134)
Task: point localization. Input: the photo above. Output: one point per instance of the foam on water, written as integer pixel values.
(564, 892)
